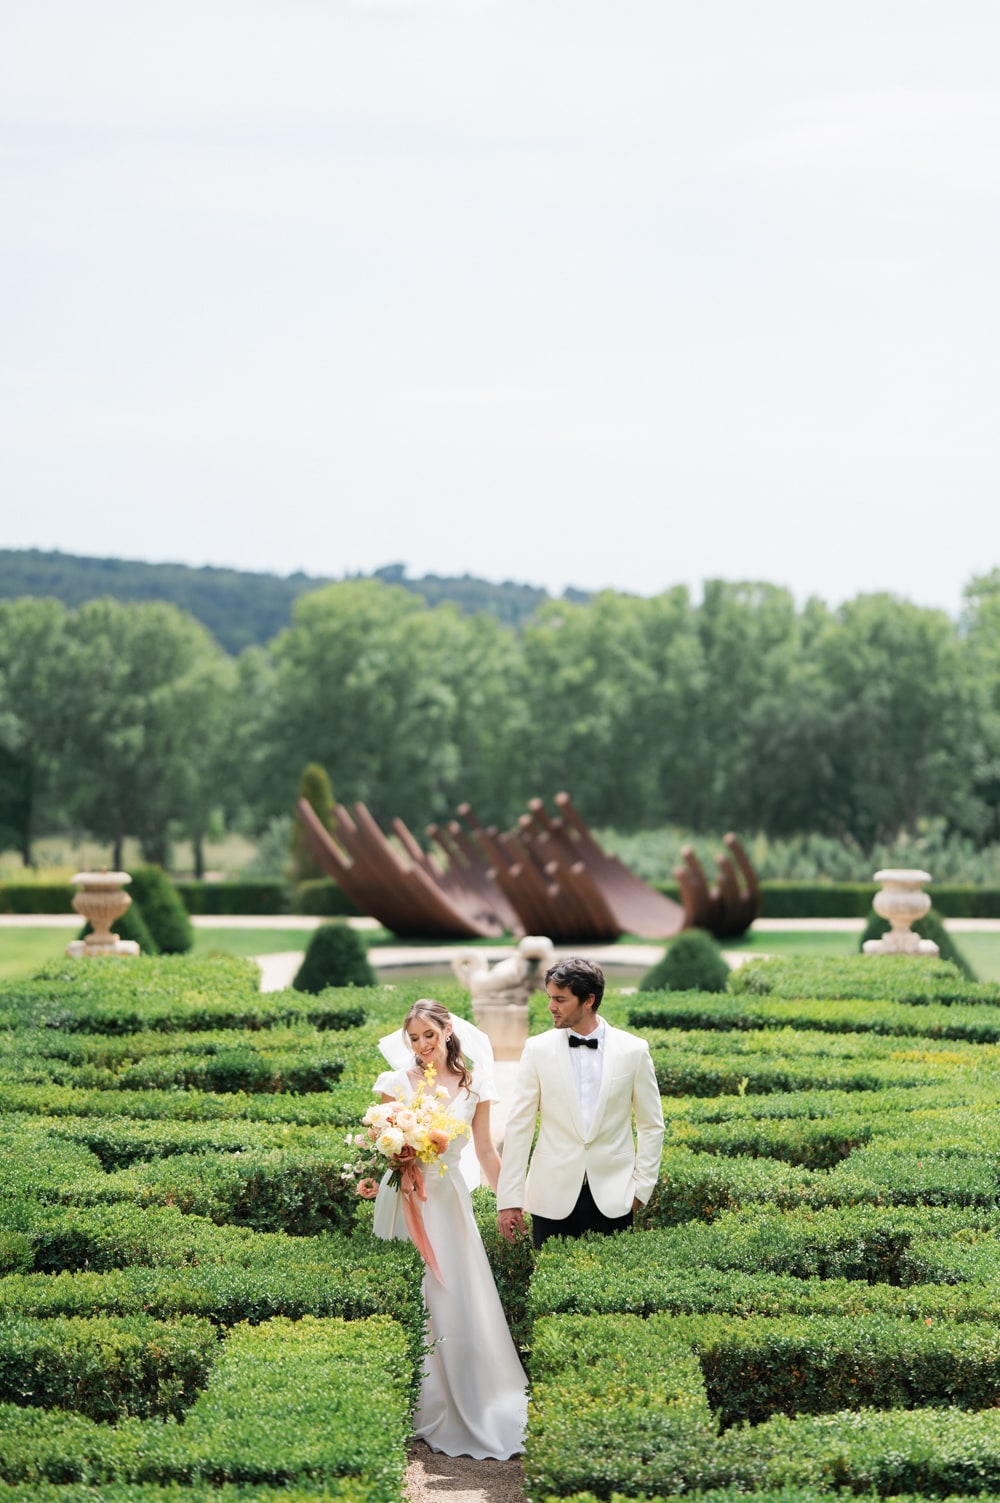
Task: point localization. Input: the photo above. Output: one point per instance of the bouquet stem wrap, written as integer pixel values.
(411, 1188)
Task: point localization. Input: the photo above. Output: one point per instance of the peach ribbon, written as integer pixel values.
(411, 1188)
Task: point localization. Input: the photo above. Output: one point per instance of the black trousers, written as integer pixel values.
(584, 1217)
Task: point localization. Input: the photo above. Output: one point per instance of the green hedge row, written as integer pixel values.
(247, 898)
(106, 1368)
(692, 1063)
(890, 978)
(287, 1402)
(299, 1189)
(854, 899)
(108, 995)
(123, 1260)
(345, 1104)
(336, 1490)
(118, 1142)
(237, 1068)
(665, 1383)
(625, 1405)
(979, 1023)
(701, 1186)
(826, 1139)
(908, 1248)
(323, 898)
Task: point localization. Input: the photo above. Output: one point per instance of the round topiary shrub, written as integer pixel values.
(336, 957)
(931, 926)
(164, 913)
(693, 962)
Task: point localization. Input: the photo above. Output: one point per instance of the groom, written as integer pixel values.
(585, 1082)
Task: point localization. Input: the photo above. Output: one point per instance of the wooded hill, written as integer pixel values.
(239, 608)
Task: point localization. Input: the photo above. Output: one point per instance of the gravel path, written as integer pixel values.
(431, 1478)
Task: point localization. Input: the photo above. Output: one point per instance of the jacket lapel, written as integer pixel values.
(567, 1081)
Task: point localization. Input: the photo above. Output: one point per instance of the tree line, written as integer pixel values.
(241, 609)
(738, 710)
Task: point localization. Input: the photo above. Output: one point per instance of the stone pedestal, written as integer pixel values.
(901, 901)
(102, 899)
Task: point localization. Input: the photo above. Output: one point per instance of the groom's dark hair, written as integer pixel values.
(582, 977)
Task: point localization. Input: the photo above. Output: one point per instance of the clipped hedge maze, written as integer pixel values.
(814, 1303)
(187, 1307)
(192, 1307)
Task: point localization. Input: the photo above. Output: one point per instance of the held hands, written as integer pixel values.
(511, 1224)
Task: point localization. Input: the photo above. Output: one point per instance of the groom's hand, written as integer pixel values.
(511, 1224)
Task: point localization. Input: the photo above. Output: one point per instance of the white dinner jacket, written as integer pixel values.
(618, 1167)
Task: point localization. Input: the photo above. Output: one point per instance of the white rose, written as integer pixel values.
(406, 1120)
(390, 1141)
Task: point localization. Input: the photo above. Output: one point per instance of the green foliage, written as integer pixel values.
(747, 1010)
(314, 787)
(692, 962)
(105, 995)
(33, 716)
(615, 1403)
(896, 978)
(244, 897)
(954, 857)
(744, 711)
(928, 927)
(285, 1402)
(241, 609)
(323, 899)
(37, 897)
(336, 956)
(105, 1368)
(162, 910)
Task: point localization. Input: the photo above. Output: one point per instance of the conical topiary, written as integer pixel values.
(693, 962)
(336, 957)
(164, 914)
(314, 787)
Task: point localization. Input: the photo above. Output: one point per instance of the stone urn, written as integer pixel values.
(902, 901)
(101, 900)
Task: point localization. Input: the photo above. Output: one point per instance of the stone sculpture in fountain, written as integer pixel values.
(500, 993)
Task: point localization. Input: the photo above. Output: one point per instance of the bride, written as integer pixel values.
(473, 1391)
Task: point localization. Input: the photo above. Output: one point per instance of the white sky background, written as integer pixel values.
(626, 294)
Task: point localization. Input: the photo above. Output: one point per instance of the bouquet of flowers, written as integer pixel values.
(405, 1137)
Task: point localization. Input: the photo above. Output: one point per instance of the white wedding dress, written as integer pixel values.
(473, 1399)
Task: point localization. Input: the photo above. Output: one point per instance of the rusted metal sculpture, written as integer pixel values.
(561, 883)
(418, 900)
(548, 876)
(727, 909)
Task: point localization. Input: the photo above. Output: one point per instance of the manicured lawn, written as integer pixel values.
(249, 941)
(982, 951)
(24, 950)
(813, 942)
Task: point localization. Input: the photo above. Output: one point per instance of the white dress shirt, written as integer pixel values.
(588, 1065)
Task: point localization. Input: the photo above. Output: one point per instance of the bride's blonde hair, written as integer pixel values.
(439, 1017)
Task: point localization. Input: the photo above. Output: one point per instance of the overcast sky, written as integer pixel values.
(624, 294)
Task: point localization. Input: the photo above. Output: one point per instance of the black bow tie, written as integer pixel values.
(578, 1043)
